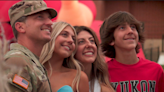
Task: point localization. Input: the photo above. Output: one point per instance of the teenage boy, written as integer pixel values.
(120, 34)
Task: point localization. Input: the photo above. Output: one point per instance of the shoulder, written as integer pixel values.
(84, 79)
(105, 88)
(151, 66)
(149, 63)
(15, 75)
(83, 83)
(16, 58)
(84, 76)
(74, 72)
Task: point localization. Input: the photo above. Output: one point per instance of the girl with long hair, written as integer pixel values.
(89, 54)
(58, 58)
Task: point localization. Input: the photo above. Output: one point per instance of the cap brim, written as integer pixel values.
(52, 12)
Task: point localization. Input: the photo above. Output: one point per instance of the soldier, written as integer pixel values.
(31, 24)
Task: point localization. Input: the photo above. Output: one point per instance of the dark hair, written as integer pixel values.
(110, 24)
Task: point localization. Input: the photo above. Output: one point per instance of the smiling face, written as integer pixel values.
(38, 27)
(65, 43)
(126, 37)
(87, 49)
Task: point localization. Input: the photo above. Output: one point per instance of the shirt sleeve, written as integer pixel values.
(20, 79)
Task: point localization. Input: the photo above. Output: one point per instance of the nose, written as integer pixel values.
(48, 21)
(70, 40)
(129, 30)
(88, 44)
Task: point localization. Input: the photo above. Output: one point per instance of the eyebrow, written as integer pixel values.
(80, 39)
(83, 38)
(67, 32)
(91, 37)
(64, 31)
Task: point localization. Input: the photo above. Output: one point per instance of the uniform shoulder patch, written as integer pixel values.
(20, 81)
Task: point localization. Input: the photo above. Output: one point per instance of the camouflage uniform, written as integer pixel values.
(32, 77)
(32, 71)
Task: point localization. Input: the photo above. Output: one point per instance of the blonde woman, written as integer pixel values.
(58, 58)
(89, 54)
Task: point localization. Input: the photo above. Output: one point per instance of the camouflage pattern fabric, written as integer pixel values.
(25, 8)
(32, 70)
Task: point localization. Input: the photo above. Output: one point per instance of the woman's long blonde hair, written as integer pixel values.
(69, 62)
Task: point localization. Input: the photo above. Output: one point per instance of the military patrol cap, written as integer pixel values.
(28, 7)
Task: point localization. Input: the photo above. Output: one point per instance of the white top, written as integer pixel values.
(97, 87)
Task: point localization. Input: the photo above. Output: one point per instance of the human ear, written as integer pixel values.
(112, 43)
(19, 26)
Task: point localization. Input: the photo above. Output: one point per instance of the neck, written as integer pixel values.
(33, 47)
(88, 70)
(55, 62)
(125, 57)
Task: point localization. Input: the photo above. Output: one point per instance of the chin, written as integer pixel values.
(66, 55)
(90, 60)
(47, 39)
(132, 46)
